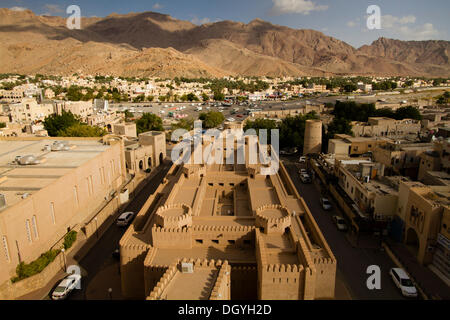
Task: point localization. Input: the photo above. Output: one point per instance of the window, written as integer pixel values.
(216, 241)
(52, 212)
(27, 226)
(199, 241)
(5, 248)
(34, 225)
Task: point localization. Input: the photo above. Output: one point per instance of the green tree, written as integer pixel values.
(149, 122)
(205, 97)
(82, 130)
(192, 97)
(56, 123)
(139, 98)
(187, 124)
(212, 119)
(219, 96)
(2, 125)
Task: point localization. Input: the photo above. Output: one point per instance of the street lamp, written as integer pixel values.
(110, 290)
(64, 258)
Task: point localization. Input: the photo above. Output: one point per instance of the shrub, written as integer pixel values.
(25, 270)
(69, 239)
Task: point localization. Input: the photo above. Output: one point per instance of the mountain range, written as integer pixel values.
(154, 44)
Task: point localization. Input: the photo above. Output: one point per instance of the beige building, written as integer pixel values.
(28, 110)
(240, 233)
(363, 181)
(144, 153)
(81, 109)
(401, 158)
(345, 145)
(11, 96)
(51, 192)
(127, 129)
(281, 114)
(424, 209)
(386, 127)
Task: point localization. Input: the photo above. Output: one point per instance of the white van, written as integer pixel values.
(403, 282)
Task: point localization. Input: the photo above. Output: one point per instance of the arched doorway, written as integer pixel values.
(161, 158)
(149, 162)
(412, 241)
(109, 127)
(141, 165)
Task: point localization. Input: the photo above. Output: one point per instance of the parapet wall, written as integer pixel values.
(220, 290)
(273, 225)
(275, 281)
(172, 238)
(180, 221)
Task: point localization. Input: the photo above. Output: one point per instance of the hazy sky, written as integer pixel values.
(343, 19)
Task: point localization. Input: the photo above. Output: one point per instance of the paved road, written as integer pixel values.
(352, 262)
(100, 256)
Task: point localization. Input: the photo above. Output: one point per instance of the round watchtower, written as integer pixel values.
(313, 137)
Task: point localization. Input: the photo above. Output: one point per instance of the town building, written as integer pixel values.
(55, 187)
(81, 109)
(386, 127)
(28, 110)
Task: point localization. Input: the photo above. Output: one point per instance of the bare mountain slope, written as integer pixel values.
(156, 44)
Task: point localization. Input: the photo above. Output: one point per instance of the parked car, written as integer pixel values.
(125, 219)
(325, 203)
(66, 286)
(305, 178)
(340, 223)
(403, 282)
(302, 160)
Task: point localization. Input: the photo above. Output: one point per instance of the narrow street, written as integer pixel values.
(100, 269)
(352, 261)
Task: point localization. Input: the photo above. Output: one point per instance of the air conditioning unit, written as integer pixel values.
(187, 267)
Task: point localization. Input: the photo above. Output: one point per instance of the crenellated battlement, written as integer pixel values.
(162, 284)
(174, 216)
(167, 238)
(221, 290)
(273, 218)
(241, 229)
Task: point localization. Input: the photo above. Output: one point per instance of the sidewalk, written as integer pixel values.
(430, 283)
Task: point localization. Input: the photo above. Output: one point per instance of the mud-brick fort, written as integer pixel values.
(226, 231)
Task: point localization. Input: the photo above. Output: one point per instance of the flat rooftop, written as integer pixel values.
(16, 180)
(191, 286)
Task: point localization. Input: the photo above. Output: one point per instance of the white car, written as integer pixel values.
(302, 160)
(326, 204)
(125, 219)
(403, 282)
(66, 286)
(340, 223)
(305, 178)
